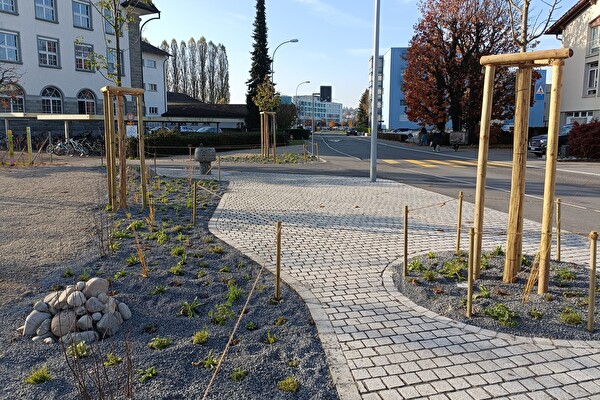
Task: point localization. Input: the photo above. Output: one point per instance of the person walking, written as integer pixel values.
(436, 140)
(423, 140)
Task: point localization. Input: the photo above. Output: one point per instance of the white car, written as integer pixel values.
(187, 129)
(209, 129)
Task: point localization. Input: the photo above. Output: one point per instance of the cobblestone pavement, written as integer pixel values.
(340, 237)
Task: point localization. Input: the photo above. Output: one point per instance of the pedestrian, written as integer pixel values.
(423, 140)
(436, 140)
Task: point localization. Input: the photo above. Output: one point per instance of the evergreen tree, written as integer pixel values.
(261, 64)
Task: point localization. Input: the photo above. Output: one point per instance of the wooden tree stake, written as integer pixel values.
(592, 293)
(278, 260)
(459, 223)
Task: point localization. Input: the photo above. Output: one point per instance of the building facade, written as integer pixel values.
(49, 45)
(324, 112)
(579, 30)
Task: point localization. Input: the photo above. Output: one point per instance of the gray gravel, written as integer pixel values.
(50, 225)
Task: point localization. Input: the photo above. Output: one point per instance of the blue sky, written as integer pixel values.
(335, 38)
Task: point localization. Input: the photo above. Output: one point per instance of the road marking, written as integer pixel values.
(448, 163)
(391, 161)
(421, 163)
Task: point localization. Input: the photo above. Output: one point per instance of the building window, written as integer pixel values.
(150, 64)
(8, 6)
(9, 47)
(86, 102)
(12, 100)
(51, 101)
(152, 87)
(48, 52)
(111, 61)
(109, 27)
(153, 110)
(594, 40)
(591, 78)
(83, 57)
(46, 10)
(81, 15)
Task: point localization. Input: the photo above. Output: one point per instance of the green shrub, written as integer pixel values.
(38, 375)
(289, 384)
(583, 140)
(569, 316)
(159, 343)
(502, 314)
(200, 337)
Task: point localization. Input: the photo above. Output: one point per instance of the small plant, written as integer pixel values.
(209, 361)
(159, 343)
(569, 294)
(238, 375)
(225, 270)
(189, 309)
(280, 321)
(234, 293)
(122, 234)
(295, 363)
(484, 264)
(548, 297)
(38, 375)
(525, 261)
(203, 264)
(437, 290)
(498, 251)
(251, 326)
(431, 255)
(132, 260)
(150, 328)
(112, 359)
(137, 225)
(208, 239)
(220, 314)
(162, 237)
(201, 274)
(484, 293)
(454, 269)
(177, 269)
(68, 273)
(429, 275)
(120, 274)
(146, 374)
(216, 249)
(536, 314)
(289, 384)
(78, 350)
(85, 276)
(158, 289)
(200, 337)
(502, 314)
(271, 338)
(240, 265)
(564, 277)
(177, 251)
(569, 316)
(415, 265)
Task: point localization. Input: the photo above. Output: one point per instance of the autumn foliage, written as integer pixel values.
(583, 140)
(444, 80)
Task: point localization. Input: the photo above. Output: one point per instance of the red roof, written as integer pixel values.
(570, 15)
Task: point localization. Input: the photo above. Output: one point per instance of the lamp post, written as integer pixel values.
(312, 134)
(296, 99)
(375, 94)
(275, 51)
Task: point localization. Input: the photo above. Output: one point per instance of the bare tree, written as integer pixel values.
(164, 46)
(174, 67)
(222, 75)
(193, 67)
(202, 59)
(211, 72)
(525, 29)
(183, 67)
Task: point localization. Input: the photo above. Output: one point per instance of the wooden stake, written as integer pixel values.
(194, 201)
(317, 150)
(592, 292)
(514, 240)
(142, 150)
(459, 224)
(557, 229)
(122, 152)
(484, 138)
(550, 177)
(278, 260)
(405, 229)
(219, 168)
(470, 273)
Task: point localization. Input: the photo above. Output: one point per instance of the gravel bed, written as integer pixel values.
(56, 230)
(539, 316)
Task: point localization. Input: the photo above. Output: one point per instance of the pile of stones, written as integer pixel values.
(80, 312)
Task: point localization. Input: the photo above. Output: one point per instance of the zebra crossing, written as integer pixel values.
(446, 163)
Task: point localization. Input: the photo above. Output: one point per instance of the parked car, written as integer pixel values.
(537, 144)
(351, 132)
(187, 129)
(209, 129)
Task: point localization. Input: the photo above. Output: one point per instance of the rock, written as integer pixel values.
(40, 338)
(80, 285)
(108, 325)
(76, 337)
(96, 316)
(52, 298)
(63, 323)
(124, 310)
(103, 297)
(33, 322)
(62, 298)
(49, 340)
(119, 318)
(21, 329)
(76, 299)
(85, 323)
(52, 310)
(40, 306)
(44, 327)
(111, 306)
(95, 286)
(94, 305)
(79, 311)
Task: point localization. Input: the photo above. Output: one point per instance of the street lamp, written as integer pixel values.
(312, 134)
(273, 57)
(375, 94)
(296, 99)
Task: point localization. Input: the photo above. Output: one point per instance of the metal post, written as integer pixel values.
(405, 250)
(278, 260)
(374, 94)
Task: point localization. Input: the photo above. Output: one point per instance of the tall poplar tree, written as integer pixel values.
(261, 64)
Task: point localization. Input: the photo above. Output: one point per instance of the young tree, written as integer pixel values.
(261, 64)
(266, 98)
(525, 30)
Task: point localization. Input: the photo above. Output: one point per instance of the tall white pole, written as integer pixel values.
(374, 94)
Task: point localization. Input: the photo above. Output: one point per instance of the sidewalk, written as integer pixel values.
(340, 236)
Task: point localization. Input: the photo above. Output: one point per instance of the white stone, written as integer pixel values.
(124, 310)
(76, 299)
(95, 286)
(96, 316)
(33, 322)
(63, 323)
(40, 306)
(41, 337)
(103, 297)
(85, 323)
(62, 298)
(80, 285)
(94, 305)
(111, 306)
(49, 340)
(52, 298)
(108, 325)
(44, 327)
(21, 329)
(119, 317)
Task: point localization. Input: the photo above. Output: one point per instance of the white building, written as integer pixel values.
(579, 30)
(48, 43)
(324, 112)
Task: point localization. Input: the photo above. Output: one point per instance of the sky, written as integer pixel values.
(335, 38)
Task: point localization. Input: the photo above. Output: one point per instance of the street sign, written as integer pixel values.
(539, 93)
(130, 116)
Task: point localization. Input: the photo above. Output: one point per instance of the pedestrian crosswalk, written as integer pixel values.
(447, 163)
